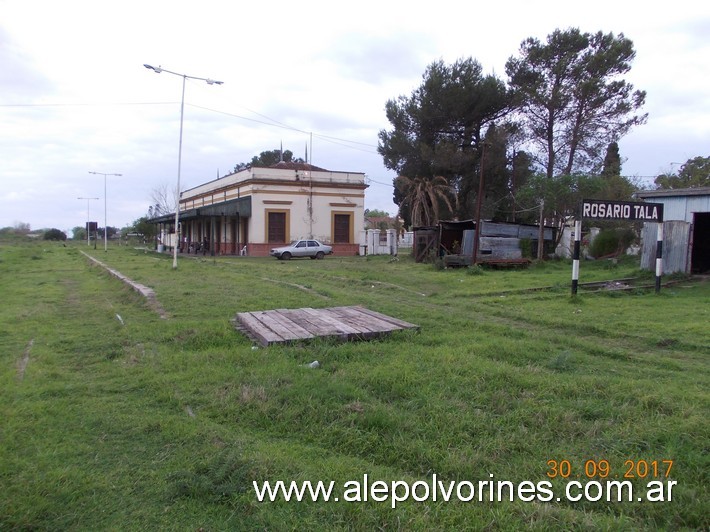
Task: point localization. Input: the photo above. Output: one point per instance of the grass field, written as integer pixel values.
(112, 417)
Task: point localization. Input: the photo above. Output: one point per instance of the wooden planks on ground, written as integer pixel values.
(343, 323)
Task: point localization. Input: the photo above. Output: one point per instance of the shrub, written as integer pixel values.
(526, 248)
(54, 234)
(611, 241)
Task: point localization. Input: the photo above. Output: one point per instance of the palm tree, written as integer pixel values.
(424, 195)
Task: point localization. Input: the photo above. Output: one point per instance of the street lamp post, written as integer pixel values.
(88, 220)
(184, 77)
(105, 216)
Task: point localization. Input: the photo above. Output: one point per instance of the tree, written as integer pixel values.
(424, 198)
(55, 234)
(559, 198)
(144, 227)
(79, 233)
(269, 158)
(439, 130)
(110, 231)
(571, 98)
(612, 161)
(164, 200)
(694, 173)
(520, 172)
(496, 174)
(22, 228)
(614, 186)
(376, 213)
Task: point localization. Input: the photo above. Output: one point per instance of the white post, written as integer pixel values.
(659, 256)
(392, 241)
(376, 239)
(363, 243)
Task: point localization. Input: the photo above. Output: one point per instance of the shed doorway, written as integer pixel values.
(700, 257)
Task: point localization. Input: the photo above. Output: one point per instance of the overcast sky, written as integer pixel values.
(76, 98)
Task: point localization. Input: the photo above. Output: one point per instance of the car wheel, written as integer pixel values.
(285, 256)
(320, 255)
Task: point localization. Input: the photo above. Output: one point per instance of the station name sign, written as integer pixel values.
(622, 210)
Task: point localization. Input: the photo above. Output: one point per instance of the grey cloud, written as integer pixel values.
(375, 59)
(21, 83)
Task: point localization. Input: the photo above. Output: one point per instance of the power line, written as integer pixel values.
(276, 123)
(381, 183)
(271, 122)
(83, 104)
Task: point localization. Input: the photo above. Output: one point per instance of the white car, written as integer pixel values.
(302, 248)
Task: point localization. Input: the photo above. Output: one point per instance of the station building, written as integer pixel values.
(258, 208)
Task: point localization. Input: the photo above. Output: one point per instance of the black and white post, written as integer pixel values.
(659, 257)
(575, 256)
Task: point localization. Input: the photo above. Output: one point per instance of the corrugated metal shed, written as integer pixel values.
(679, 204)
(500, 241)
(676, 236)
(686, 230)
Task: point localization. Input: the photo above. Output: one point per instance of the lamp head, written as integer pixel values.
(157, 70)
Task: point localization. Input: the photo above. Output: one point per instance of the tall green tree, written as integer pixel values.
(496, 174)
(694, 173)
(439, 129)
(572, 98)
(522, 169)
(612, 161)
(614, 186)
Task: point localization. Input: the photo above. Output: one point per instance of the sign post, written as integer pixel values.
(631, 211)
(575, 256)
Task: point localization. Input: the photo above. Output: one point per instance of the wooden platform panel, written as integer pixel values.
(343, 323)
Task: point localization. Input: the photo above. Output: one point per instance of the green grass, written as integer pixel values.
(147, 423)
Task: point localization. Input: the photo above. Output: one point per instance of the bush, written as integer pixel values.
(54, 234)
(526, 248)
(611, 242)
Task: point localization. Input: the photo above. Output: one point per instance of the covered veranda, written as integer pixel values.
(221, 229)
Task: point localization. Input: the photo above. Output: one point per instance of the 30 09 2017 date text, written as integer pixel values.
(629, 469)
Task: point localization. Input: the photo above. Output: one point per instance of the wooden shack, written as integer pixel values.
(426, 243)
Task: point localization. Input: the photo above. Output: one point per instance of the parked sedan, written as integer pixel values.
(302, 248)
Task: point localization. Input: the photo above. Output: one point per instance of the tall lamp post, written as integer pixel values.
(88, 220)
(105, 216)
(184, 77)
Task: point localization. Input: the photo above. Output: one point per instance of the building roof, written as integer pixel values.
(674, 192)
(283, 165)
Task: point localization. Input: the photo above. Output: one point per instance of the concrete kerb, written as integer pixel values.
(145, 291)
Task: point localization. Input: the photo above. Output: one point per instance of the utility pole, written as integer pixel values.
(478, 209)
(541, 232)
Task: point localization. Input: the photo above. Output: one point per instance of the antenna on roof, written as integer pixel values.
(306, 153)
(281, 152)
